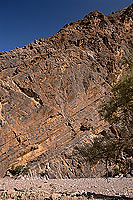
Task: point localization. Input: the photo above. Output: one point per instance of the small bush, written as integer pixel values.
(116, 171)
(19, 170)
(26, 170)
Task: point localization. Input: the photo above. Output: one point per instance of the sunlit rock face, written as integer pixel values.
(50, 91)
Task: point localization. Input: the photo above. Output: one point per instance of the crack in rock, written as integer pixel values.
(30, 93)
(17, 138)
(70, 125)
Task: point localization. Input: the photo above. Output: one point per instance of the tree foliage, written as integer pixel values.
(116, 145)
(19, 170)
(119, 108)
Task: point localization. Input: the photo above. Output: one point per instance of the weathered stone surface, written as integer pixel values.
(50, 91)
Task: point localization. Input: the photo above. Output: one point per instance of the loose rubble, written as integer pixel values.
(66, 189)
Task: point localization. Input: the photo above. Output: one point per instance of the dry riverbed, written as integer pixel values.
(66, 189)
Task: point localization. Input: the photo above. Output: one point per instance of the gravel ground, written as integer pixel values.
(119, 188)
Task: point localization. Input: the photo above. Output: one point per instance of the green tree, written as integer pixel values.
(115, 146)
(118, 111)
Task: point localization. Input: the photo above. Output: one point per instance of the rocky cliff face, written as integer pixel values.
(50, 91)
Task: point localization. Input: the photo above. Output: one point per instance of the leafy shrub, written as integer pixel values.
(115, 146)
(19, 170)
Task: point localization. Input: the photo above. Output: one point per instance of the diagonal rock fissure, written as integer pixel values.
(30, 93)
(17, 138)
(70, 125)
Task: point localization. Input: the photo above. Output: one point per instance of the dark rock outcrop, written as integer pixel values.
(50, 91)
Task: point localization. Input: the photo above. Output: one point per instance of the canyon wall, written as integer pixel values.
(51, 89)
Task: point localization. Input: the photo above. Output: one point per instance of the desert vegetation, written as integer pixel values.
(19, 170)
(115, 146)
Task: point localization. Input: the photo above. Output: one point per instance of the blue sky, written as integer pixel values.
(23, 21)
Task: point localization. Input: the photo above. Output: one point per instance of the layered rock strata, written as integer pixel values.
(50, 91)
